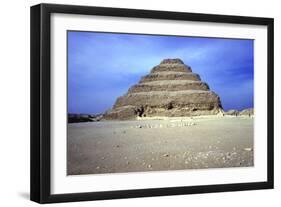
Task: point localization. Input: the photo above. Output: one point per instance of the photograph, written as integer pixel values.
(147, 102)
(132, 103)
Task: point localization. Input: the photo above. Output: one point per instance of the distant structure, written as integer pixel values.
(170, 89)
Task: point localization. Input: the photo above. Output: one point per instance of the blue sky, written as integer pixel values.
(102, 66)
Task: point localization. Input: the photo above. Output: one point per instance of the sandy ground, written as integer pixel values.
(154, 145)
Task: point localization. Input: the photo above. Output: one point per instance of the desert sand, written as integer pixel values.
(156, 144)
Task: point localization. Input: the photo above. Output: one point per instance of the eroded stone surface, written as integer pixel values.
(171, 89)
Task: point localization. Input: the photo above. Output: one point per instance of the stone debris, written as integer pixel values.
(169, 125)
(76, 118)
(246, 112)
(232, 112)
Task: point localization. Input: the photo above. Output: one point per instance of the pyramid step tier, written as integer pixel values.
(171, 67)
(179, 99)
(168, 75)
(171, 61)
(169, 85)
(131, 112)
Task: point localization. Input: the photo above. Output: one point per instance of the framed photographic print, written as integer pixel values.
(133, 103)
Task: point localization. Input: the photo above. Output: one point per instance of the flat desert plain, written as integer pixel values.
(156, 144)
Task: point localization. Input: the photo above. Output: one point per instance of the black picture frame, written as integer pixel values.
(41, 94)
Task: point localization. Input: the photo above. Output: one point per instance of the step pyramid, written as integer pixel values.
(170, 89)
